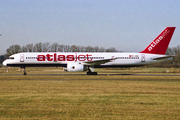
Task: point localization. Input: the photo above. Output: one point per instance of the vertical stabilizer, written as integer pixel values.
(160, 44)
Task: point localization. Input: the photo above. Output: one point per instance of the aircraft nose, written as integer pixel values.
(5, 63)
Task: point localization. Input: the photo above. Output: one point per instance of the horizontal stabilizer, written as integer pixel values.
(161, 58)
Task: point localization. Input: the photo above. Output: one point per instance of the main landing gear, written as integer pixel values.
(24, 71)
(90, 72)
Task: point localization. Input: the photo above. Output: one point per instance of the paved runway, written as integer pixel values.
(128, 74)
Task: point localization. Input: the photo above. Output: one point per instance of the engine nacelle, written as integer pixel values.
(75, 67)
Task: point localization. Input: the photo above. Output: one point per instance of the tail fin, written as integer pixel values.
(160, 44)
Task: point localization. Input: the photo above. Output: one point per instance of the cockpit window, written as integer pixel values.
(11, 58)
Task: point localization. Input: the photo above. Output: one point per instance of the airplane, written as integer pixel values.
(87, 61)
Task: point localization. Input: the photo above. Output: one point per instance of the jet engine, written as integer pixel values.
(75, 67)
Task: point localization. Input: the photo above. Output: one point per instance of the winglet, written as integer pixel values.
(160, 44)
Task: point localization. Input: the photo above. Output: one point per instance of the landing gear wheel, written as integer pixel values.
(91, 73)
(88, 73)
(24, 71)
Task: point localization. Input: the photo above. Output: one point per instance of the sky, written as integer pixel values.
(127, 25)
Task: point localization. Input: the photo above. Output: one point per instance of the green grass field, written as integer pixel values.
(48, 93)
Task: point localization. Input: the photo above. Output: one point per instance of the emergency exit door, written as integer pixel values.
(142, 58)
(21, 57)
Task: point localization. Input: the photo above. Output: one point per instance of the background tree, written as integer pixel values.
(169, 51)
(13, 50)
(61, 48)
(46, 47)
(101, 49)
(74, 48)
(37, 47)
(54, 47)
(2, 58)
(89, 49)
(81, 49)
(96, 49)
(67, 48)
(24, 49)
(27, 48)
(111, 49)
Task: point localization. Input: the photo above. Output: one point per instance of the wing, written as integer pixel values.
(98, 62)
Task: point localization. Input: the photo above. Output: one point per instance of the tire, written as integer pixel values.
(91, 73)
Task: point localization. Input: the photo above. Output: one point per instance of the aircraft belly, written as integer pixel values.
(35, 64)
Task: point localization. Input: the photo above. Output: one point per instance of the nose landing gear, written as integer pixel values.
(24, 71)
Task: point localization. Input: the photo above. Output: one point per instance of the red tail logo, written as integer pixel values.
(160, 44)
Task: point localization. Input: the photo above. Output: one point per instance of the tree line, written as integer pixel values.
(174, 51)
(55, 47)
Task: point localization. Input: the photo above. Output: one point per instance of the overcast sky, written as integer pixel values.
(127, 25)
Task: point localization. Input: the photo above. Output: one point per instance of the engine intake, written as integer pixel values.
(75, 67)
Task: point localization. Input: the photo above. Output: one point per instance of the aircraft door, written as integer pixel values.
(21, 57)
(142, 58)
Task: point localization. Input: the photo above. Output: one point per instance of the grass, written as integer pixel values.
(59, 70)
(79, 96)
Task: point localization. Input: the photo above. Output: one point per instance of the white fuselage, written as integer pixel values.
(116, 59)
